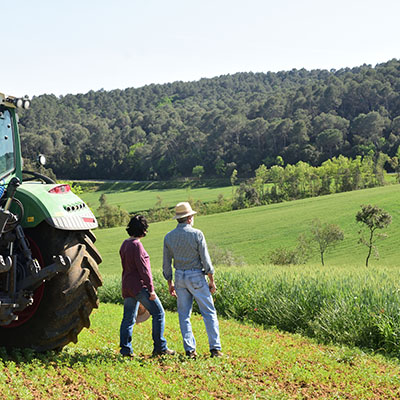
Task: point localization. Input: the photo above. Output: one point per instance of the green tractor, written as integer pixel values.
(49, 271)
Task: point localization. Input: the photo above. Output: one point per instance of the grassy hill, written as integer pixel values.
(253, 233)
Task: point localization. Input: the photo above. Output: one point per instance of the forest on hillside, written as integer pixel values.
(237, 121)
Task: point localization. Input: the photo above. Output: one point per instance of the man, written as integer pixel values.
(187, 246)
(138, 287)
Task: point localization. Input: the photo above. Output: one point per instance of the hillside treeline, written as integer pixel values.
(229, 122)
(302, 180)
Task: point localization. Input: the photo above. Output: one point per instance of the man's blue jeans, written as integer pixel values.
(155, 308)
(191, 284)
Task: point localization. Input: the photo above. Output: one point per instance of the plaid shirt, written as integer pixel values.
(187, 246)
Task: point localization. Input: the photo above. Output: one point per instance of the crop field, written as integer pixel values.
(253, 233)
(258, 364)
(354, 306)
(140, 200)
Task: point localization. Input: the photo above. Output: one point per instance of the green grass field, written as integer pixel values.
(253, 233)
(140, 200)
(140, 196)
(342, 299)
(258, 364)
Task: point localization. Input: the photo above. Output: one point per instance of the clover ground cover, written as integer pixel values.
(257, 364)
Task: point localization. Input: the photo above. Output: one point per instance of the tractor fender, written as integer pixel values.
(61, 209)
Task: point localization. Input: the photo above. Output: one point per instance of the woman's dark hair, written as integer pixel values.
(137, 226)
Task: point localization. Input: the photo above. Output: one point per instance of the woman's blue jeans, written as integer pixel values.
(155, 308)
(191, 284)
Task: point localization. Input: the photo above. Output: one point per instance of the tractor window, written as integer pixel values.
(6, 143)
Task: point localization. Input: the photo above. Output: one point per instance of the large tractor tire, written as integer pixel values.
(64, 303)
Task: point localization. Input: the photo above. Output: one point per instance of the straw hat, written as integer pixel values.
(142, 314)
(183, 210)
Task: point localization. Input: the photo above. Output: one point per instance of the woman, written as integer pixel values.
(137, 287)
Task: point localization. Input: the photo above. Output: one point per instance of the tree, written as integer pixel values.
(220, 167)
(243, 119)
(368, 128)
(298, 134)
(395, 164)
(372, 218)
(329, 141)
(233, 179)
(326, 235)
(261, 179)
(198, 171)
(279, 161)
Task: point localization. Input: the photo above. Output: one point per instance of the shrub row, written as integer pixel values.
(361, 309)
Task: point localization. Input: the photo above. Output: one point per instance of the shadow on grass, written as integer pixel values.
(65, 357)
(70, 357)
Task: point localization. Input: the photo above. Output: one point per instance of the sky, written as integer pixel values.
(67, 47)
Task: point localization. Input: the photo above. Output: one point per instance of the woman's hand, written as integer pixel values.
(152, 296)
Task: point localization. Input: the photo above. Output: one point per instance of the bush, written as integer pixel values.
(110, 292)
(299, 255)
(222, 256)
(246, 196)
(110, 216)
(159, 214)
(214, 207)
(285, 256)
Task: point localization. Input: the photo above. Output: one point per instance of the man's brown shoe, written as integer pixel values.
(166, 352)
(191, 354)
(216, 353)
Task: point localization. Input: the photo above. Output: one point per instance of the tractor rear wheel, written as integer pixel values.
(68, 298)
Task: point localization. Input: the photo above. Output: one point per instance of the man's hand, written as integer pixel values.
(152, 296)
(211, 283)
(171, 288)
(212, 287)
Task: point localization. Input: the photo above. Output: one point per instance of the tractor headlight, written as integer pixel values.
(21, 102)
(26, 104)
(18, 103)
